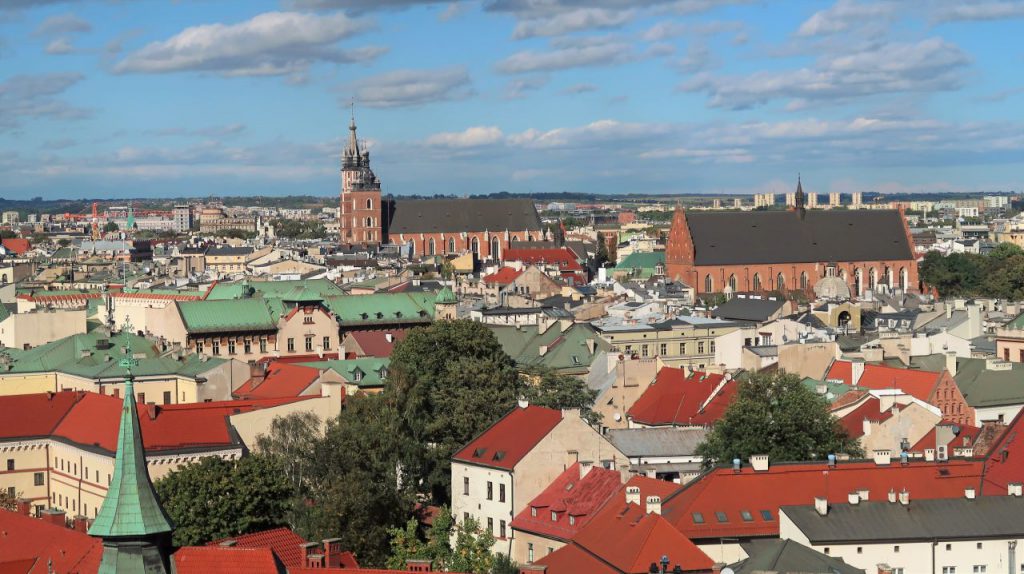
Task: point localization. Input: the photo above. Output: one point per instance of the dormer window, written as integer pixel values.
(572, 520)
(554, 516)
(533, 511)
(357, 375)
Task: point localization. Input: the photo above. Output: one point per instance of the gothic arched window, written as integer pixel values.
(431, 248)
(780, 282)
(495, 248)
(803, 280)
(451, 245)
(757, 282)
(369, 204)
(732, 282)
(475, 246)
(709, 284)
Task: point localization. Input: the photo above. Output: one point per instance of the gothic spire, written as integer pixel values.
(134, 528)
(352, 149)
(799, 199)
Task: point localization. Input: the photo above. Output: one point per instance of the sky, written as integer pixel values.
(151, 98)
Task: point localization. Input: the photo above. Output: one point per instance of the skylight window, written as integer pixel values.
(746, 516)
(499, 455)
(698, 518)
(479, 452)
(766, 515)
(721, 517)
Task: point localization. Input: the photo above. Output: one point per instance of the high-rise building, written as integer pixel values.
(790, 199)
(717, 204)
(361, 214)
(812, 200)
(182, 218)
(834, 199)
(858, 199)
(737, 203)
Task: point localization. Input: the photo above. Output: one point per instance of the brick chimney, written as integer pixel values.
(24, 507)
(633, 495)
(257, 373)
(332, 553)
(81, 524)
(821, 505)
(310, 557)
(717, 567)
(413, 565)
(653, 505)
(54, 516)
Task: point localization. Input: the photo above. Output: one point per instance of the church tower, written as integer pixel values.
(360, 213)
(135, 531)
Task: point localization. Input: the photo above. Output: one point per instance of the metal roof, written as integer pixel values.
(669, 441)
(464, 215)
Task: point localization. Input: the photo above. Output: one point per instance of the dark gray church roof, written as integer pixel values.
(737, 238)
(458, 215)
(788, 557)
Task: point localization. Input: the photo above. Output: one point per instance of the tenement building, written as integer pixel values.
(427, 227)
(715, 251)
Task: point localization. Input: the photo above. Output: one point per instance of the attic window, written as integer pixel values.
(499, 455)
(533, 511)
(698, 518)
(364, 315)
(398, 314)
(554, 516)
(380, 315)
(746, 516)
(576, 360)
(721, 517)
(423, 313)
(479, 451)
(766, 515)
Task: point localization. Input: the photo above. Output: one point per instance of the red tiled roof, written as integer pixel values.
(92, 420)
(36, 414)
(674, 398)
(376, 343)
(17, 245)
(507, 441)
(918, 384)
(25, 538)
(66, 298)
(564, 258)
(158, 296)
(568, 495)
(225, 560)
(853, 422)
(283, 541)
(728, 491)
(630, 539)
(502, 276)
(1005, 461)
(282, 380)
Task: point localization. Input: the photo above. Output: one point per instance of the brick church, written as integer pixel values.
(487, 227)
(758, 251)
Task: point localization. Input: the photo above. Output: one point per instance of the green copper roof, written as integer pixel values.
(642, 260)
(565, 351)
(365, 372)
(382, 308)
(131, 507)
(227, 315)
(445, 297)
(1017, 323)
(275, 289)
(87, 352)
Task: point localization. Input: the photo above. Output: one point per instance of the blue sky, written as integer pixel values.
(133, 98)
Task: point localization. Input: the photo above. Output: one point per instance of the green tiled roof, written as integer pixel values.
(370, 367)
(642, 260)
(382, 308)
(275, 289)
(131, 507)
(832, 390)
(445, 296)
(229, 315)
(985, 388)
(567, 352)
(1017, 323)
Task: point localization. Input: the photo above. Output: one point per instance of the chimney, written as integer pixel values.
(892, 496)
(856, 371)
(309, 555)
(416, 565)
(633, 495)
(389, 337)
(904, 497)
(717, 567)
(853, 498)
(523, 403)
(883, 457)
(929, 454)
(24, 507)
(54, 516)
(585, 468)
(884, 569)
(332, 553)
(653, 504)
(1014, 489)
(257, 372)
(951, 362)
(863, 493)
(759, 462)
(821, 505)
(81, 524)
(969, 493)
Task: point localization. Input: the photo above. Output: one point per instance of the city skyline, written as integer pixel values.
(118, 99)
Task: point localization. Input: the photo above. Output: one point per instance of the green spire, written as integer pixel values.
(445, 297)
(131, 507)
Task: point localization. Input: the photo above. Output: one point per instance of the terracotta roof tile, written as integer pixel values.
(568, 495)
(282, 380)
(375, 343)
(1005, 461)
(225, 560)
(26, 538)
(283, 541)
(919, 384)
(507, 441)
(674, 398)
(503, 276)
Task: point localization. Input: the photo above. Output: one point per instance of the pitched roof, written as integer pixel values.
(229, 315)
(1005, 461)
(274, 289)
(507, 441)
(463, 215)
(641, 260)
(283, 541)
(748, 309)
(502, 276)
(570, 351)
(281, 380)
(364, 372)
(786, 556)
(931, 519)
(916, 383)
(375, 343)
(23, 416)
(225, 560)
(869, 410)
(381, 308)
(17, 245)
(29, 543)
(677, 399)
(983, 387)
(663, 441)
(568, 495)
(798, 483)
(751, 237)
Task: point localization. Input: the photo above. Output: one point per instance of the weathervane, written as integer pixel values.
(128, 361)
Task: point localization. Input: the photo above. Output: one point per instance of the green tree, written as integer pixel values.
(602, 250)
(239, 234)
(549, 388)
(110, 227)
(7, 234)
(216, 498)
(8, 501)
(471, 551)
(776, 415)
(450, 381)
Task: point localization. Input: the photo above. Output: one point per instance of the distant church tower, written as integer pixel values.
(360, 214)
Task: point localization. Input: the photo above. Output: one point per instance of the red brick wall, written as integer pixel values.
(442, 242)
(948, 398)
(695, 275)
(359, 223)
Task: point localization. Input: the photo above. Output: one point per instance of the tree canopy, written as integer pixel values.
(997, 274)
(776, 415)
(216, 498)
(471, 551)
(546, 387)
(299, 229)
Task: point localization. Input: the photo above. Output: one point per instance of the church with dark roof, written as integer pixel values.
(486, 227)
(761, 251)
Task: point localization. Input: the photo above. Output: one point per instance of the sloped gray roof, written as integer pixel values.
(940, 518)
(747, 309)
(773, 237)
(789, 557)
(458, 215)
(668, 441)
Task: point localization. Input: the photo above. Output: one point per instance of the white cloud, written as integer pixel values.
(572, 21)
(567, 57)
(36, 96)
(518, 87)
(60, 46)
(471, 137)
(961, 11)
(273, 43)
(62, 24)
(413, 87)
(580, 89)
(842, 15)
